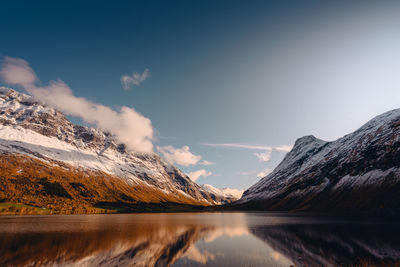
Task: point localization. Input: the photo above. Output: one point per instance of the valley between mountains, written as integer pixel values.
(50, 165)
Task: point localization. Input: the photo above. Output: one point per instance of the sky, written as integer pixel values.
(222, 89)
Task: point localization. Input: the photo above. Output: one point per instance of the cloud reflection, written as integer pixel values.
(194, 239)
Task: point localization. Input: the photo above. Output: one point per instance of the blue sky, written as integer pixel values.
(254, 73)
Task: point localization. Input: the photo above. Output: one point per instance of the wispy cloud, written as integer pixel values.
(181, 156)
(263, 156)
(197, 174)
(283, 148)
(135, 79)
(206, 163)
(129, 126)
(259, 174)
(264, 173)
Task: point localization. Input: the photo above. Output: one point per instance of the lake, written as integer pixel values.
(196, 239)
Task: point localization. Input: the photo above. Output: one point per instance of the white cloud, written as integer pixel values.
(197, 174)
(181, 156)
(264, 173)
(17, 71)
(283, 148)
(207, 163)
(264, 156)
(129, 126)
(136, 79)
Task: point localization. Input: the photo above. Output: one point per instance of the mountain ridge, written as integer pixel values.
(30, 128)
(359, 172)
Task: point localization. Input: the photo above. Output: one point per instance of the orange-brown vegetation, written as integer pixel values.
(21, 209)
(64, 189)
(146, 244)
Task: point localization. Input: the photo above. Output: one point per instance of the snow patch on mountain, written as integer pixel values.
(28, 127)
(366, 157)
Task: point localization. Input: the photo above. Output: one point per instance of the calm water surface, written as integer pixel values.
(196, 239)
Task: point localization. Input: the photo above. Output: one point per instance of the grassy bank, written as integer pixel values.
(7, 208)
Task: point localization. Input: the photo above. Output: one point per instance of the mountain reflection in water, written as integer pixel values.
(194, 239)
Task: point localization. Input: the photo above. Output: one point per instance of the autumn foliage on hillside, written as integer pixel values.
(64, 189)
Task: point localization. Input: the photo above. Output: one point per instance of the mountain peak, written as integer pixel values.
(307, 141)
(13, 94)
(350, 173)
(30, 128)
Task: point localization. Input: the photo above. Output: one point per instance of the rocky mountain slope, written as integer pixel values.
(356, 173)
(33, 134)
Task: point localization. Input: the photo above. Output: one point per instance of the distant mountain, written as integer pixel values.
(47, 160)
(223, 195)
(356, 173)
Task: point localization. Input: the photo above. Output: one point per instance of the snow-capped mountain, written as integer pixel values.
(358, 172)
(223, 195)
(31, 129)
